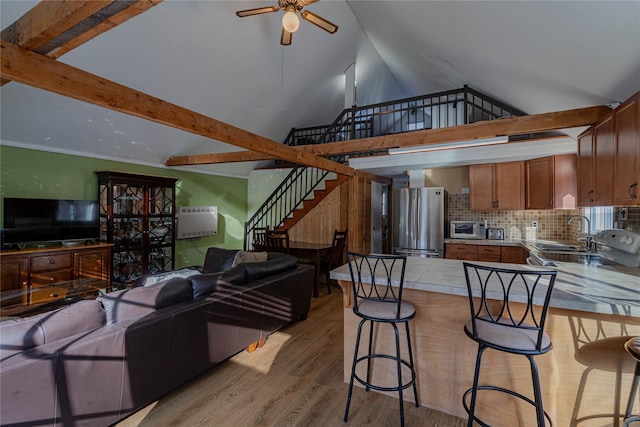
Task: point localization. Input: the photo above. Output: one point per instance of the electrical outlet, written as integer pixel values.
(534, 224)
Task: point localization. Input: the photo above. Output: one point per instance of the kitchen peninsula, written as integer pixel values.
(586, 375)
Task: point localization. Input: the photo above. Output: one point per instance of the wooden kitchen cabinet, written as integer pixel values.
(513, 254)
(627, 152)
(596, 160)
(497, 186)
(461, 251)
(487, 253)
(551, 182)
(490, 253)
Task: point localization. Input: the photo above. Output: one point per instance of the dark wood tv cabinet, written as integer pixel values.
(29, 269)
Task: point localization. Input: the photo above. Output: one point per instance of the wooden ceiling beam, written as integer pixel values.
(53, 28)
(534, 123)
(44, 73)
(213, 158)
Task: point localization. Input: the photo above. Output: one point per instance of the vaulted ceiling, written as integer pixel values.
(536, 56)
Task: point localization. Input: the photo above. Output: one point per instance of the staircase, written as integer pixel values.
(302, 189)
(309, 204)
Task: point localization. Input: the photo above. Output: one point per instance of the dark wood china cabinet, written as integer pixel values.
(137, 215)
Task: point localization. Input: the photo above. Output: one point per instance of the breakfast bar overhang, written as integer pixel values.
(585, 377)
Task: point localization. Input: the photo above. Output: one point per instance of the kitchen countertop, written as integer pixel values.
(595, 289)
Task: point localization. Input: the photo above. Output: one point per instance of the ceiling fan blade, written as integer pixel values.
(258, 11)
(320, 22)
(308, 2)
(285, 37)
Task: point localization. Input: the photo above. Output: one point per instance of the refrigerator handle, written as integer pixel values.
(418, 216)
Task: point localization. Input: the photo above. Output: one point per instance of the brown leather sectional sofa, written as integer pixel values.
(95, 362)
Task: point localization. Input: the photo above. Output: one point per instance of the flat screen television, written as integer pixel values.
(47, 220)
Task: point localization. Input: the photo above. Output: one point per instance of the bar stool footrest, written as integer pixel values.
(502, 390)
(630, 420)
(380, 388)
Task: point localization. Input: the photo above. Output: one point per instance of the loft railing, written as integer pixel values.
(438, 110)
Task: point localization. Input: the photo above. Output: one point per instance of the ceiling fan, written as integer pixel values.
(290, 21)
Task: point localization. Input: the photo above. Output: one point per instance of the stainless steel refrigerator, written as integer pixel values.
(421, 221)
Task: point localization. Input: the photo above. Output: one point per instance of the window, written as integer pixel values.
(601, 218)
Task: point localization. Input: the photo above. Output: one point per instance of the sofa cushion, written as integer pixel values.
(218, 259)
(161, 277)
(21, 334)
(243, 257)
(137, 302)
(275, 263)
(205, 284)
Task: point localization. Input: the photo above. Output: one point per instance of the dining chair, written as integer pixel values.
(278, 241)
(260, 238)
(502, 323)
(377, 282)
(336, 256)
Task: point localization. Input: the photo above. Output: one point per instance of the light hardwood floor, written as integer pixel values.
(294, 380)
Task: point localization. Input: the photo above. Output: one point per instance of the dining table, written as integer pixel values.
(311, 253)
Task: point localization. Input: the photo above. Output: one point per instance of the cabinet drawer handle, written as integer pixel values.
(630, 191)
(52, 261)
(590, 199)
(53, 295)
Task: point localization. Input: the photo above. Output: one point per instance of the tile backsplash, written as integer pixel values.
(552, 224)
(627, 218)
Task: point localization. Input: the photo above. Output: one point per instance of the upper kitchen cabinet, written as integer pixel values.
(497, 186)
(551, 182)
(627, 153)
(596, 160)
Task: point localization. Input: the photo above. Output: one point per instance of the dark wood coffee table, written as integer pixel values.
(39, 299)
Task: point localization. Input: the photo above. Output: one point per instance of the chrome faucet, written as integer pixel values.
(589, 242)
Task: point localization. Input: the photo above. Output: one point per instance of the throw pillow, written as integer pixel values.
(161, 277)
(244, 257)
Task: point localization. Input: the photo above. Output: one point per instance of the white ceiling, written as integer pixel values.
(538, 56)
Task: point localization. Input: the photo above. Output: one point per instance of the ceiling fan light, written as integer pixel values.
(290, 20)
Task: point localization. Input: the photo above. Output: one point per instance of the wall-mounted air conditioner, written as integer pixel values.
(197, 221)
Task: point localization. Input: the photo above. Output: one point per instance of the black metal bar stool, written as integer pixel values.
(633, 348)
(377, 301)
(503, 318)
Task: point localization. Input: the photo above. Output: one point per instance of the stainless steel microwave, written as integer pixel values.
(467, 230)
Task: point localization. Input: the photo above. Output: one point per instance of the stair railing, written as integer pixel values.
(287, 197)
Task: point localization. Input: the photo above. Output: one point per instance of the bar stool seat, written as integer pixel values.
(376, 302)
(501, 322)
(633, 348)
